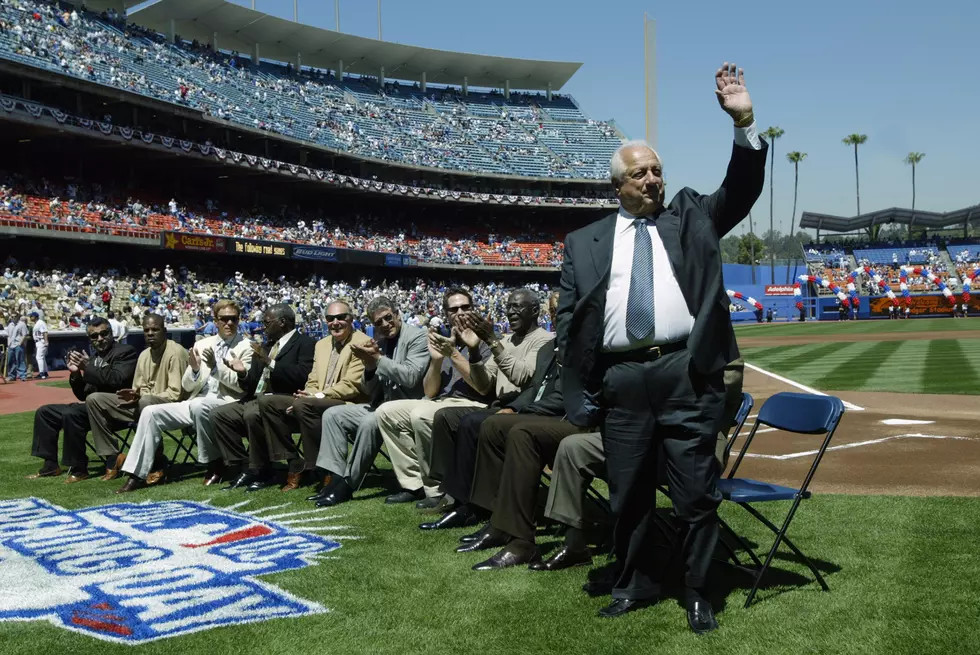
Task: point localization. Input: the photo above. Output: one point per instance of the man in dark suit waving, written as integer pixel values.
(644, 334)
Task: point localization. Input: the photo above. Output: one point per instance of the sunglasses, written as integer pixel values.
(387, 318)
(330, 318)
(96, 336)
(228, 318)
(517, 307)
(460, 308)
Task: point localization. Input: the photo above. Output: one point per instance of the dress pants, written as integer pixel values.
(42, 358)
(235, 421)
(406, 427)
(171, 416)
(106, 411)
(513, 451)
(51, 419)
(662, 408)
(305, 419)
(579, 460)
(455, 434)
(338, 425)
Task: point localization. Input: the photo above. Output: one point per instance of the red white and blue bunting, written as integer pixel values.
(738, 295)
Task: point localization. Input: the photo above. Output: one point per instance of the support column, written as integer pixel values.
(466, 86)
(507, 89)
(256, 57)
(172, 31)
(422, 83)
(299, 62)
(214, 42)
(381, 78)
(340, 70)
(549, 92)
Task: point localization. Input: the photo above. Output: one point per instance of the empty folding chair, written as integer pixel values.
(791, 412)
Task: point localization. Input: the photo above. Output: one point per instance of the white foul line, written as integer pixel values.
(809, 453)
(801, 387)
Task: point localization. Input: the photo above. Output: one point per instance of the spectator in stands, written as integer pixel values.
(209, 381)
(110, 370)
(395, 363)
(156, 380)
(276, 374)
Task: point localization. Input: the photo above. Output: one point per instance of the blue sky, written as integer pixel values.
(904, 73)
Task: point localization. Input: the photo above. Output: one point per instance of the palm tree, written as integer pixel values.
(856, 140)
(795, 158)
(913, 158)
(772, 134)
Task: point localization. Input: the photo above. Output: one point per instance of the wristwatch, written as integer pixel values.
(319, 394)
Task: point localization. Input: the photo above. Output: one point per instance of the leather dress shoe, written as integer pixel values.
(429, 503)
(260, 484)
(76, 477)
(51, 473)
(132, 484)
(242, 480)
(565, 558)
(339, 493)
(598, 587)
(113, 473)
(511, 555)
(156, 477)
(213, 474)
(458, 518)
(329, 483)
(470, 538)
(404, 496)
(487, 540)
(621, 606)
(701, 618)
(292, 482)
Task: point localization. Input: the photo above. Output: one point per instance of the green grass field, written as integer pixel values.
(944, 364)
(902, 573)
(60, 384)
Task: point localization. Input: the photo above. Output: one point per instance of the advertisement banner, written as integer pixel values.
(779, 289)
(195, 242)
(259, 248)
(320, 253)
(393, 260)
(922, 305)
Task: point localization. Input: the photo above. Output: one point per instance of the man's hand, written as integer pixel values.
(235, 364)
(128, 395)
(732, 94)
(73, 358)
(82, 361)
(208, 358)
(258, 352)
(479, 325)
(369, 353)
(462, 332)
(194, 360)
(438, 349)
(506, 410)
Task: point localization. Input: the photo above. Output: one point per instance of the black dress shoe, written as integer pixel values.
(513, 554)
(565, 558)
(405, 496)
(488, 539)
(260, 484)
(458, 518)
(621, 606)
(340, 493)
(598, 587)
(332, 481)
(242, 480)
(429, 503)
(701, 617)
(470, 538)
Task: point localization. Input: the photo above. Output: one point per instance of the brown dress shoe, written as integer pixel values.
(213, 473)
(113, 473)
(292, 482)
(76, 477)
(156, 477)
(132, 484)
(45, 474)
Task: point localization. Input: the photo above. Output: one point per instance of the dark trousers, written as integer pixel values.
(513, 451)
(51, 419)
(664, 407)
(305, 418)
(455, 435)
(232, 425)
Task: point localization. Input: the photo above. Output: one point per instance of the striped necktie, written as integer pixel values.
(639, 305)
(264, 380)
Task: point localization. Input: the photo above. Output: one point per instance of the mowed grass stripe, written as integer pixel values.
(868, 326)
(950, 365)
(858, 367)
(791, 357)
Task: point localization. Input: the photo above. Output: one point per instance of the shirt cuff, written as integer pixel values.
(748, 137)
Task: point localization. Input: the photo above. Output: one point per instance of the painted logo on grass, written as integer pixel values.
(134, 573)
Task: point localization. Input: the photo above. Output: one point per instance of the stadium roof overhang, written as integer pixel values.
(239, 28)
(934, 220)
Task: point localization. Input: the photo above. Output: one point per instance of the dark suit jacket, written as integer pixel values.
(690, 227)
(294, 361)
(107, 374)
(546, 374)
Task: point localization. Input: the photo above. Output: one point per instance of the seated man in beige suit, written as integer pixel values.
(334, 380)
(209, 382)
(158, 372)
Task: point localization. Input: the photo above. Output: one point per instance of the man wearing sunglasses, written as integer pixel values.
(111, 369)
(208, 382)
(394, 364)
(275, 375)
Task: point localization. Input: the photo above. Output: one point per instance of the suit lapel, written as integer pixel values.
(286, 346)
(668, 227)
(602, 245)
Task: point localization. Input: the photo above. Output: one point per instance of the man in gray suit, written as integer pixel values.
(394, 366)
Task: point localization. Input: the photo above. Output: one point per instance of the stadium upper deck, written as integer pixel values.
(509, 134)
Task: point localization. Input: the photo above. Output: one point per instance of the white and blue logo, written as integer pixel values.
(134, 573)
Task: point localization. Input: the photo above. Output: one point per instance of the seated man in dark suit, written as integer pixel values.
(111, 369)
(283, 371)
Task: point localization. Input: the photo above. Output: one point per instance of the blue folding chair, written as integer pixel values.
(791, 412)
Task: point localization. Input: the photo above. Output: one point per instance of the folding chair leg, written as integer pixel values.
(741, 542)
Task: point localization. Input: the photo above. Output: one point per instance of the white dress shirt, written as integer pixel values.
(672, 319)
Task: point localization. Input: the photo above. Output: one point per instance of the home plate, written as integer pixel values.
(905, 421)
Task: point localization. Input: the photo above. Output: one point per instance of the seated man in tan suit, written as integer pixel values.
(334, 380)
(157, 380)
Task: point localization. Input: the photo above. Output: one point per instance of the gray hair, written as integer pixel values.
(617, 167)
(379, 303)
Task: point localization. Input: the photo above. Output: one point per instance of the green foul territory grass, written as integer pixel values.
(902, 573)
(61, 384)
(820, 328)
(936, 366)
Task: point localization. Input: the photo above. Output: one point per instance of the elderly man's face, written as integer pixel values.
(641, 190)
(340, 321)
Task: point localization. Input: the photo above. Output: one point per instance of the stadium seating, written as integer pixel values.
(527, 135)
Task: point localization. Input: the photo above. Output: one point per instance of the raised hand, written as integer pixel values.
(479, 325)
(462, 332)
(208, 358)
(194, 360)
(732, 94)
(82, 361)
(235, 364)
(437, 346)
(73, 358)
(258, 352)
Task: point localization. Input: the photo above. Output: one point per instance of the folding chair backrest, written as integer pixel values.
(800, 413)
(743, 414)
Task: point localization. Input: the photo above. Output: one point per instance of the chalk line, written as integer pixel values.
(801, 387)
(856, 444)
